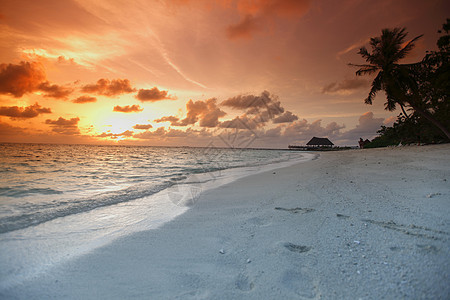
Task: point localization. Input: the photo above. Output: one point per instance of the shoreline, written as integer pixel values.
(354, 224)
(53, 242)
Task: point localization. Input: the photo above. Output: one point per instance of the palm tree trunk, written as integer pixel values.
(430, 118)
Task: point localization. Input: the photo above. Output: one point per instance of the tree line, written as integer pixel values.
(420, 89)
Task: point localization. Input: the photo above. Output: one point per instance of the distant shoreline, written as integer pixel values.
(122, 145)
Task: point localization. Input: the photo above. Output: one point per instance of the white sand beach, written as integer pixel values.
(369, 224)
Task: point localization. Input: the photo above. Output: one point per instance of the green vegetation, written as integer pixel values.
(420, 89)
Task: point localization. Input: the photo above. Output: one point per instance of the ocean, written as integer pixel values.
(61, 201)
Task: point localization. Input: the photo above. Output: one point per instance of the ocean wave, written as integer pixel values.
(22, 192)
(43, 212)
(56, 184)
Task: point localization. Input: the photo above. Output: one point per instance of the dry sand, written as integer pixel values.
(370, 224)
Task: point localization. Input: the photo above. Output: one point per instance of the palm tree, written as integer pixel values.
(394, 78)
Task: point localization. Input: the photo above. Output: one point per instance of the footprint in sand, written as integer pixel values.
(342, 216)
(244, 283)
(296, 210)
(412, 230)
(428, 248)
(296, 248)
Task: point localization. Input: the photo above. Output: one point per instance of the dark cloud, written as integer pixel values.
(260, 15)
(258, 109)
(24, 112)
(287, 117)
(345, 87)
(241, 122)
(244, 29)
(256, 104)
(153, 95)
(128, 108)
(248, 101)
(64, 126)
(273, 132)
(28, 77)
(54, 90)
(109, 88)
(143, 126)
(63, 122)
(84, 99)
(20, 79)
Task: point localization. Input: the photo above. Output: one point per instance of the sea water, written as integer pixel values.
(61, 201)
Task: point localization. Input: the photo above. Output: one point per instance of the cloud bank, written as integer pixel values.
(153, 95)
(27, 112)
(64, 126)
(20, 79)
(109, 88)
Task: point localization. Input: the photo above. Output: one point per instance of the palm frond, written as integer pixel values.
(377, 85)
(364, 69)
(390, 104)
(409, 46)
(364, 53)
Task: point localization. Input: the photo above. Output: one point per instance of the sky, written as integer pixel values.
(233, 73)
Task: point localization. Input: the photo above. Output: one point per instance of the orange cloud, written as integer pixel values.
(20, 79)
(24, 112)
(64, 126)
(84, 99)
(173, 120)
(162, 134)
(127, 133)
(109, 88)
(207, 113)
(128, 108)
(143, 126)
(54, 90)
(153, 94)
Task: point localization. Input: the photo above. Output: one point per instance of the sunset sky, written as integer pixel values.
(240, 73)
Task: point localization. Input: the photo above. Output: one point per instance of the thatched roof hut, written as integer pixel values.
(319, 142)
